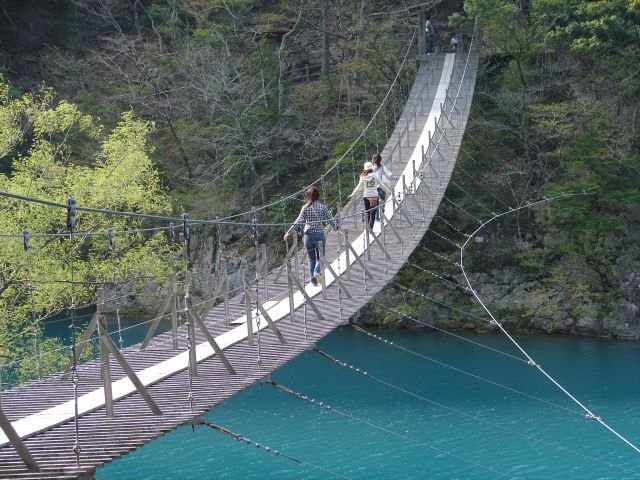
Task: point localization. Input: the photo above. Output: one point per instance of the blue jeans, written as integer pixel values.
(382, 195)
(311, 241)
(430, 44)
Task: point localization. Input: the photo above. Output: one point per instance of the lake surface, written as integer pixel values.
(433, 421)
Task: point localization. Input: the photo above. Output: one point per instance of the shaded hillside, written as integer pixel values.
(556, 110)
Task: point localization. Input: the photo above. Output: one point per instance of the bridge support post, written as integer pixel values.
(292, 309)
(347, 267)
(17, 443)
(263, 267)
(191, 332)
(422, 45)
(105, 366)
(225, 281)
(169, 301)
(222, 285)
(367, 242)
(323, 281)
(441, 158)
(174, 315)
(247, 306)
(389, 225)
(355, 214)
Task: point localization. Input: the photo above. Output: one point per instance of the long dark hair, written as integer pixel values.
(312, 195)
(377, 159)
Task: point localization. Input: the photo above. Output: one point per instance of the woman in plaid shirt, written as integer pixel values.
(312, 218)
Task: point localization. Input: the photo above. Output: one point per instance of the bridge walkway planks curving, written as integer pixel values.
(103, 439)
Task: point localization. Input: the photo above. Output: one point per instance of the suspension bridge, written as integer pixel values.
(66, 425)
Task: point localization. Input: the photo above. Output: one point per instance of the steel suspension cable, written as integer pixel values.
(451, 226)
(399, 435)
(414, 441)
(475, 417)
(446, 332)
(442, 304)
(459, 187)
(277, 453)
(439, 277)
(588, 413)
(470, 177)
(461, 371)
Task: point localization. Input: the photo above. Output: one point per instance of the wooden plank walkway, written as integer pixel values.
(103, 439)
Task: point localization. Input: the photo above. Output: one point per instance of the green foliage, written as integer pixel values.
(119, 177)
(456, 19)
(595, 26)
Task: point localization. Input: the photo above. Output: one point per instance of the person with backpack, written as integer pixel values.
(312, 219)
(431, 33)
(381, 171)
(369, 182)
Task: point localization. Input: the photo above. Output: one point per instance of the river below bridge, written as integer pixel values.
(434, 421)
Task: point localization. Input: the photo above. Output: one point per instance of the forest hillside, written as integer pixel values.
(221, 105)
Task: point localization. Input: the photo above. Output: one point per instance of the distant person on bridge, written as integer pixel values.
(369, 182)
(312, 218)
(431, 32)
(381, 171)
(455, 41)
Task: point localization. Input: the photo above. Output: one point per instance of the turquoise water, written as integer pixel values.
(602, 374)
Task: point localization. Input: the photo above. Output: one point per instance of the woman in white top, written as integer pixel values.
(369, 182)
(381, 171)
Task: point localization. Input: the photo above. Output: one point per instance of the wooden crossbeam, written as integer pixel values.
(264, 313)
(17, 443)
(399, 208)
(327, 265)
(388, 224)
(293, 250)
(310, 302)
(201, 325)
(131, 374)
(359, 260)
(377, 240)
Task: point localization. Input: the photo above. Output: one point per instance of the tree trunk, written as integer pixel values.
(281, 63)
(136, 16)
(264, 82)
(325, 37)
